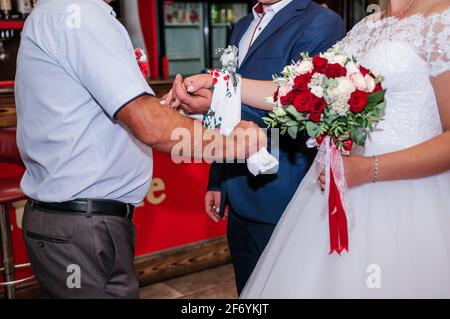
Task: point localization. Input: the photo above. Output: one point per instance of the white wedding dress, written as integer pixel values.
(400, 234)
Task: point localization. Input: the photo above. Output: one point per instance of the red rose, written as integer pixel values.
(378, 88)
(335, 70)
(319, 139)
(319, 62)
(276, 95)
(301, 82)
(144, 68)
(315, 117)
(318, 106)
(364, 71)
(138, 53)
(303, 101)
(348, 145)
(358, 101)
(288, 98)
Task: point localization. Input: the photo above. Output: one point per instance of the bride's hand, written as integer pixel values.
(197, 82)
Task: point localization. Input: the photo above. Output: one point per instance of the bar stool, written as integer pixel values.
(9, 193)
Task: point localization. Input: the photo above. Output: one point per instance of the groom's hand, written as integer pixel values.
(212, 206)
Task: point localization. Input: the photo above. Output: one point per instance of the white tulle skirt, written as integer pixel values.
(399, 245)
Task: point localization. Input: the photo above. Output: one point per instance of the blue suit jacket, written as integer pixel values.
(302, 26)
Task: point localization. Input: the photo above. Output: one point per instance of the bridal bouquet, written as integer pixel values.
(336, 102)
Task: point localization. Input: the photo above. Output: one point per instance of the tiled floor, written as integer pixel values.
(215, 283)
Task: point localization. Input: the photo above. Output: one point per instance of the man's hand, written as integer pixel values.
(249, 138)
(212, 206)
(194, 102)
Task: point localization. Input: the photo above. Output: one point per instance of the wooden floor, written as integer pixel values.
(215, 283)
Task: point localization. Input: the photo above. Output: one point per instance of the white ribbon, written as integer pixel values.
(226, 107)
(329, 159)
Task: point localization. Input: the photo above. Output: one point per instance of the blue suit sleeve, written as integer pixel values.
(215, 180)
(325, 30)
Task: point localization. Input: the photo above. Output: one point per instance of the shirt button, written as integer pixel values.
(41, 244)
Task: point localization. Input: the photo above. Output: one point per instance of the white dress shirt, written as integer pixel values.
(71, 81)
(259, 23)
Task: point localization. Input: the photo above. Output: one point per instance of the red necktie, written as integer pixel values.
(259, 9)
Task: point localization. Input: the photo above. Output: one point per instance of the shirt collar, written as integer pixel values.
(274, 8)
(102, 3)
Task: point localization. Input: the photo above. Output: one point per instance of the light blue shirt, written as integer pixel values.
(76, 68)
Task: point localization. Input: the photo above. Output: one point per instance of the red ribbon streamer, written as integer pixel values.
(337, 219)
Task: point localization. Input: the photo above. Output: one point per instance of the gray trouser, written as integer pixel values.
(81, 255)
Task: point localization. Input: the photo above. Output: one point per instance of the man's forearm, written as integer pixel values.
(162, 127)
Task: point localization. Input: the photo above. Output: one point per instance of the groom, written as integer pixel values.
(268, 39)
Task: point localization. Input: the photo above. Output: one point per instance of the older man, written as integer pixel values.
(86, 117)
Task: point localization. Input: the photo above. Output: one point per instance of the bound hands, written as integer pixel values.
(192, 95)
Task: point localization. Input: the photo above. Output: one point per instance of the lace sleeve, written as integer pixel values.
(437, 43)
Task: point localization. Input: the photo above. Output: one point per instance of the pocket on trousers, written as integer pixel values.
(49, 238)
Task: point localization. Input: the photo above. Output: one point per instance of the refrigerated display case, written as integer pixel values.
(192, 32)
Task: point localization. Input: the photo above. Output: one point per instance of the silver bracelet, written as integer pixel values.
(375, 169)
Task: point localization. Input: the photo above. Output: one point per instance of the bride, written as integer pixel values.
(399, 183)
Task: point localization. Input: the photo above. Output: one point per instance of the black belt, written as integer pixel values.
(81, 206)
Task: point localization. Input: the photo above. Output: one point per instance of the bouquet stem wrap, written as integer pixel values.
(329, 159)
(225, 114)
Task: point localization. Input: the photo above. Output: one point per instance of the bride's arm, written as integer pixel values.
(426, 159)
(254, 93)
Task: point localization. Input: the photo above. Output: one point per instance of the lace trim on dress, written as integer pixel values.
(429, 35)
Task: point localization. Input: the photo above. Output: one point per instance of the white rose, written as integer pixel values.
(341, 59)
(305, 67)
(370, 83)
(279, 112)
(335, 58)
(317, 91)
(359, 81)
(352, 67)
(227, 59)
(345, 87)
(285, 89)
